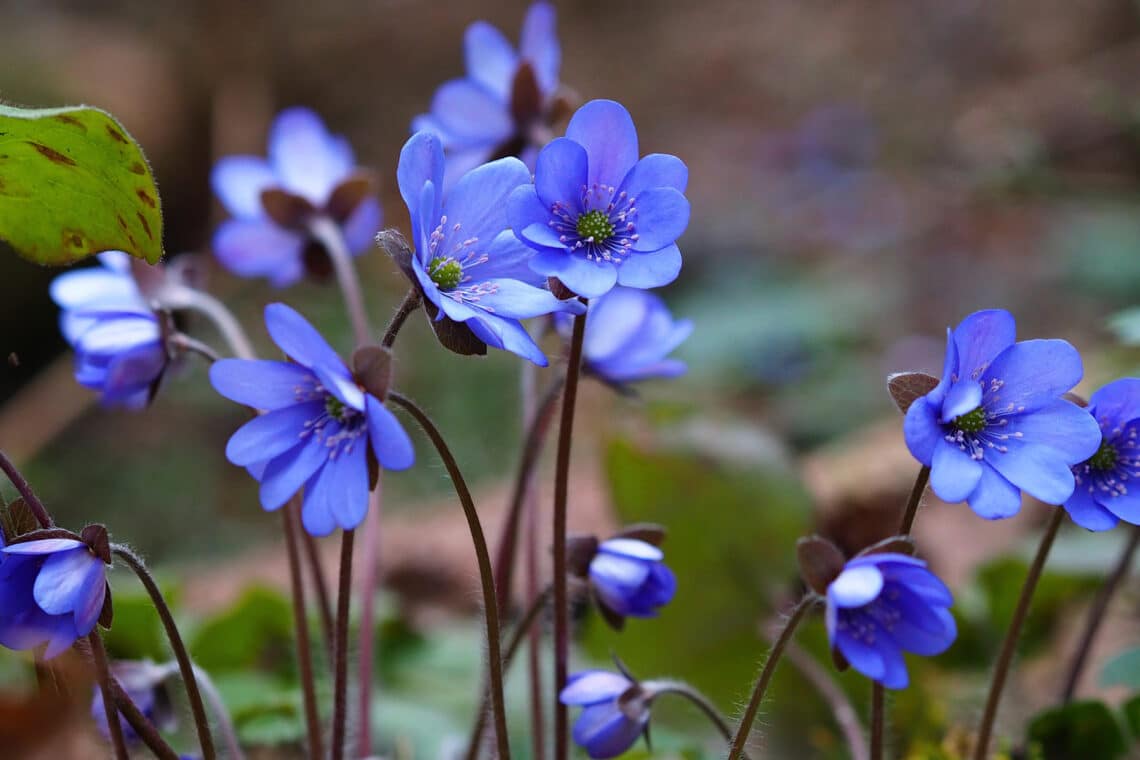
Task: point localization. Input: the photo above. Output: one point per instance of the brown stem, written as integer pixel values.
(410, 303)
(915, 499)
(301, 629)
(340, 677)
(103, 678)
(26, 493)
(366, 637)
(321, 586)
(703, 703)
(877, 710)
(143, 727)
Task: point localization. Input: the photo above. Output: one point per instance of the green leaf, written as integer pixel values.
(137, 633)
(1122, 670)
(74, 183)
(1078, 729)
(1131, 711)
(255, 634)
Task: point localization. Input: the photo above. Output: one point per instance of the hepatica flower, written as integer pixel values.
(615, 712)
(597, 215)
(630, 578)
(1108, 483)
(318, 429)
(469, 267)
(144, 683)
(882, 605)
(996, 424)
(52, 591)
(507, 101)
(309, 173)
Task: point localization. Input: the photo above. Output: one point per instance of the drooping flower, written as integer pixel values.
(1104, 492)
(471, 270)
(615, 711)
(309, 174)
(52, 591)
(508, 100)
(597, 215)
(319, 428)
(630, 577)
(996, 424)
(145, 683)
(107, 287)
(629, 336)
(882, 605)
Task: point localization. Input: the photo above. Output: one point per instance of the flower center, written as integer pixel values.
(336, 408)
(971, 422)
(595, 226)
(1104, 458)
(445, 272)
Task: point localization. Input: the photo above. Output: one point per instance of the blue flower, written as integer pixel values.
(52, 592)
(469, 267)
(1104, 494)
(996, 424)
(629, 336)
(108, 287)
(882, 605)
(317, 426)
(506, 103)
(613, 716)
(317, 171)
(629, 577)
(596, 214)
(143, 681)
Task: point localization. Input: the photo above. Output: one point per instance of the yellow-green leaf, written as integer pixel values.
(74, 183)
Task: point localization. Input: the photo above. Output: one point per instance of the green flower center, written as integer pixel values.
(971, 422)
(445, 272)
(596, 225)
(336, 408)
(1104, 458)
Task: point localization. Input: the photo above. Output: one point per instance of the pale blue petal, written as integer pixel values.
(650, 270)
(61, 579)
(922, 431)
(238, 181)
(272, 434)
(980, 338)
(585, 278)
(300, 340)
(471, 113)
(1086, 512)
(995, 497)
(592, 686)
(1060, 425)
(605, 129)
(261, 383)
(954, 474)
(1039, 471)
(539, 45)
(478, 202)
(309, 160)
(560, 175)
(285, 474)
(656, 170)
(421, 161)
(362, 225)
(662, 216)
(491, 61)
(390, 442)
(964, 396)
(259, 248)
(855, 586)
(1032, 374)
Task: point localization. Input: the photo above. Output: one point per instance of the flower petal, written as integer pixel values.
(954, 474)
(43, 546)
(995, 497)
(390, 442)
(491, 60)
(586, 278)
(605, 129)
(63, 577)
(866, 659)
(309, 160)
(592, 686)
(1086, 512)
(238, 181)
(1031, 375)
(261, 383)
(507, 335)
(471, 113)
(272, 434)
(1060, 425)
(964, 396)
(538, 44)
(980, 338)
(317, 516)
(512, 299)
(1117, 403)
(922, 430)
(259, 248)
(285, 474)
(347, 475)
(656, 170)
(632, 548)
(362, 225)
(478, 202)
(560, 175)
(855, 586)
(605, 731)
(300, 340)
(650, 270)
(421, 162)
(1039, 471)
(662, 216)
(616, 571)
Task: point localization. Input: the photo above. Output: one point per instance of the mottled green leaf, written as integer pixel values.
(74, 183)
(1079, 729)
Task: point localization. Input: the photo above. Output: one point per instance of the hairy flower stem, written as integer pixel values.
(911, 510)
(185, 666)
(340, 648)
(184, 297)
(143, 727)
(486, 574)
(1097, 613)
(222, 716)
(26, 493)
(301, 630)
(366, 636)
(326, 232)
(845, 716)
(538, 426)
(1009, 645)
(521, 629)
(561, 494)
(193, 346)
(765, 677)
(410, 303)
(321, 586)
(702, 703)
(103, 678)
(878, 697)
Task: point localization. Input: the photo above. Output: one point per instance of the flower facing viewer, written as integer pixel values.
(615, 711)
(597, 215)
(882, 605)
(1108, 483)
(471, 270)
(996, 424)
(309, 174)
(318, 430)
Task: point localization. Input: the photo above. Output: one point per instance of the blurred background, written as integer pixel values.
(862, 176)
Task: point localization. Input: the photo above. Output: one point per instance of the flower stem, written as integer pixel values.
(218, 705)
(185, 667)
(26, 492)
(845, 715)
(367, 637)
(703, 703)
(320, 584)
(878, 697)
(539, 425)
(561, 494)
(486, 575)
(103, 677)
(912, 504)
(184, 297)
(143, 727)
(301, 629)
(534, 648)
(328, 234)
(340, 676)
(1005, 658)
(194, 346)
(745, 727)
(1097, 611)
(521, 629)
(410, 303)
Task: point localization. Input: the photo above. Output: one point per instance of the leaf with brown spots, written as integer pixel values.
(74, 183)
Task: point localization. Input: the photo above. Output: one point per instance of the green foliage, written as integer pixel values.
(256, 634)
(1122, 670)
(74, 183)
(1131, 712)
(137, 631)
(265, 710)
(1079, 729)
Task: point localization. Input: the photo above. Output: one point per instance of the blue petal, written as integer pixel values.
(508, 335)
(1117, 403)
(507, 257)
(586, 278)
(865, 659)
(300, 340)
(650, 270)
(1037, 470)
(855, 586)
(964, 396)
(605, 129)
(922, 430)
(980, 338)
(261, 383)
(390, 441)
(560, 174)
(1060, 425)
(1126, 506)
(662, 216)
(94, 289)
(894, 668)
(132, 371)
(471, 113)
(611, 571)
(949, 371)
(632, 548)
(1032, 374)
(478, 202)
(63, 577)
(421, 162)
(1086, 512)
(995, 497)
(286, 474)
(309, 160)
(954, 474)
(259, 248)
(656, 170)
(918, 579)
(491, 61)
(316, 510)
(272, 434)
(592, 686)
(362, 225)
(542, 237)
(539, 45)
(618, 320)
(525, 209)
(512, 299)
(604, 731)
(90, 598)
(238, 181)
(346, 476)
